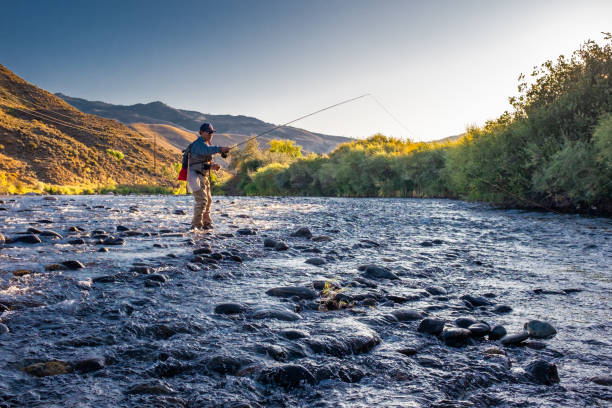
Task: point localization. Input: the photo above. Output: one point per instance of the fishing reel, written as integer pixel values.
(224, 155)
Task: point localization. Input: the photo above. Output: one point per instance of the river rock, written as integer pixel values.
(294, 334)
(246, 231)
(431, 326)
(289, 291)
(77, 241)
(230, 308)
(89, 364)
(49, 233)
(315, 261)
(2, 239)
(602, 380)
(73, 264)
(4, 329)
(542, 372)
(497, 332)
(407, 314)
(279, 313)
(476, 301)
(281, 246)
(103, 249)
(502, 309)
(27, 239)
(456, 337)
(113, 241)
(155, 387)
(514, 339)
(287, 376)
(224, 364)
(341, 345)
(378, 272)
(436, 290)
(33, 230)
(270, 243)
(479, 329)
(21, 272)
(48, 368)
(408, 351)
(122, 228)
(302, 232)
(539, 329)
(465, 322)
(50, 198)
(321, 238)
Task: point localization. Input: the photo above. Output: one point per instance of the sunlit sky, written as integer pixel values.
(438, 66)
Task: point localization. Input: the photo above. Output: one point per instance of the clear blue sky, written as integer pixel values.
(437, 65)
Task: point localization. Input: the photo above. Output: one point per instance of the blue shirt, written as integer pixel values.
(200, 148)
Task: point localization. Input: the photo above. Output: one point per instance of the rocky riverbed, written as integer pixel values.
(110, 302)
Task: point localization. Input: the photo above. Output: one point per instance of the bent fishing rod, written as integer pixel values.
(300, 118)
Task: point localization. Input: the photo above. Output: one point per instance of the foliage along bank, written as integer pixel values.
(553, 151)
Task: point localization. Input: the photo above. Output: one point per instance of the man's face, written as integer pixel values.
(207, 136)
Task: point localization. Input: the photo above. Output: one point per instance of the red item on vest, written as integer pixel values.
(183, 174)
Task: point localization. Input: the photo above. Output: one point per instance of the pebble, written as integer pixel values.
(539, 329)
(302, 232)
(456, 337)
(514, 339)
(542, 372)
(431, 326)
(289, 291)
(315, 261)
(497, 332)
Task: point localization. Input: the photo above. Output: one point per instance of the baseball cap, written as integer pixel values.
(207, 127)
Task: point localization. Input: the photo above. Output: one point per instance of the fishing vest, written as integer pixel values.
(198, 163)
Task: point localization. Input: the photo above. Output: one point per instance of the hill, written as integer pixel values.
(230, 129)
(45, 140)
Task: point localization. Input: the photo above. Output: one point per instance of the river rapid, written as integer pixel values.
(373, 309)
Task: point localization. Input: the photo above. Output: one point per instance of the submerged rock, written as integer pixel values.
(222, 364)
(230, 308)
(289, 291)
(246, 231)
(407, 314)
(89, 364)
(27, 239)
(73, 264)
(436, 290)
(294, 334)
(539, 329)
(479, 329)
(465, 322)
(286, 375)
(542, 372)
(302, 232)
(502, 309)
(279, 313)
(602, 380)
(48, 368)
(156, 387)
(497, 332)
(315, 261)
(77, 241)
(431, 326)
(4, 329)
(113, 241)
(340, 345)
(476, 301)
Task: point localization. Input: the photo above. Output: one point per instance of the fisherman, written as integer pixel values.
(200, 163)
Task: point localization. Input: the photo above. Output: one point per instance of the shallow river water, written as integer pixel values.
(141, 325)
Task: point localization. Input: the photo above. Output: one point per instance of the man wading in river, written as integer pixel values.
(199, 156)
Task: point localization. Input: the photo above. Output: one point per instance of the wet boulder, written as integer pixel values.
(270, 243)
(497, 332)
(514, 339)
(407, 314)
(539, 329)
(341, 345)
(377, 272)
(90, 364)
(479, 329)
(542, 372)
(605, 380)
(73, 264)
(475, 301)
(113, 241)
(290, 291)
(408, 351)
(156, 387)
(223, 364)
(287, 376)
(431, 326)
(465, 322)
(456, 337)
(48, 368)
(436, 290)
(26, 239)
(279, 313)
(294, 334)
(230, 308)
(302, 232)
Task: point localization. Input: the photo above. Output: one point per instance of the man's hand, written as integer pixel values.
(215, 166)
(224, 149)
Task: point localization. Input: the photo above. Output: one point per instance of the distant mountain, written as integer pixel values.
(230, 129)
(44, 139)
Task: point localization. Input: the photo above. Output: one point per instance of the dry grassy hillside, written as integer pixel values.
(43, 139)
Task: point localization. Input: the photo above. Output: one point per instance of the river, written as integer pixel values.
(148, 323)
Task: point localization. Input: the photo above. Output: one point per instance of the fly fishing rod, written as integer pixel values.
(300, 118)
